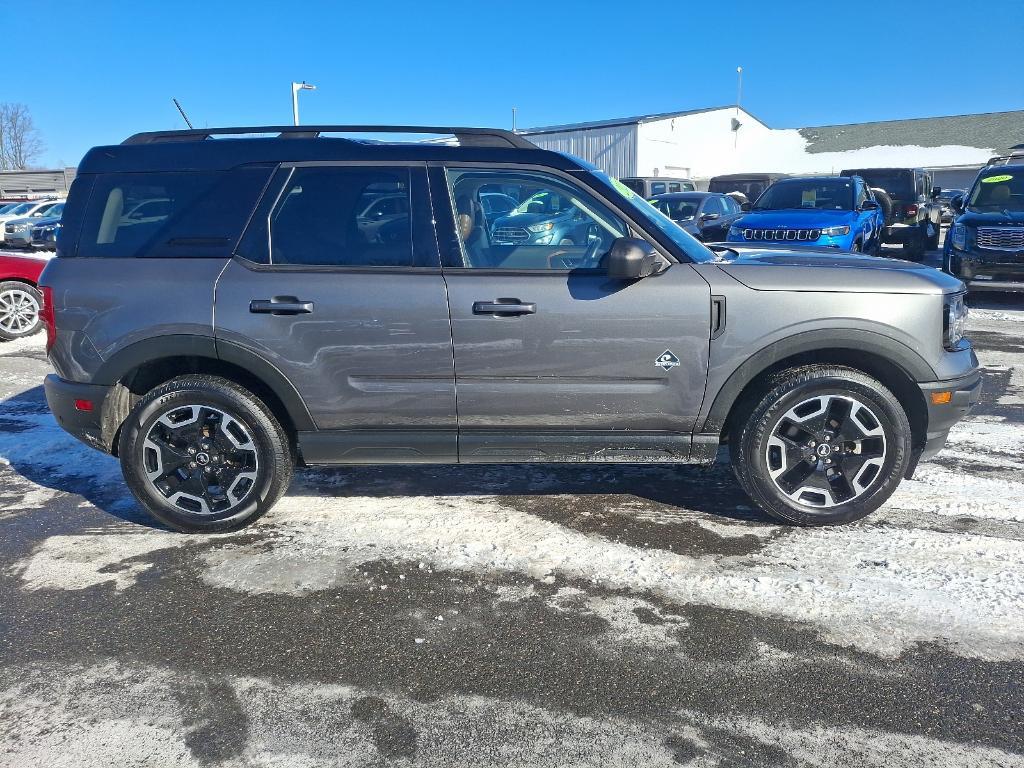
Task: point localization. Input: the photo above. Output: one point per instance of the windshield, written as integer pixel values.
(817, 194)
(677, 209)
(7, 207)
(545, 202)
(21, 209)
(751, 189)
(56, 210)
(688, 244)
(998, 191)
(898, 184)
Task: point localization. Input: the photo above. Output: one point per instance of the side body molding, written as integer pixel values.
(830, 340)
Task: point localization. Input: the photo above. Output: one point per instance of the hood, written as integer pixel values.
(20, 220)
(991, 218)
(810, 218)
(819, 270)
(46, 220)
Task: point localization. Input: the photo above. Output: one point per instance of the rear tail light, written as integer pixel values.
(911, 210)
(46, 316)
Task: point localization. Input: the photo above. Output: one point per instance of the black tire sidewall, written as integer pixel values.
(9, 285)
(264, 431)
(754, 436)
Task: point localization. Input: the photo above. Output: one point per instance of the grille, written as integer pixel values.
(1001, 238)
(511, 233)
(801, 235)
(9, 229)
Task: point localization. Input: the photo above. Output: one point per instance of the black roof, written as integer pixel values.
(198, 150)
(751, 176)
(693, 195)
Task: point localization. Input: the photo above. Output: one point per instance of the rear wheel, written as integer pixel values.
(202, 454)
(932, 239)
(913, 248)
(824, 446)
(19, 310)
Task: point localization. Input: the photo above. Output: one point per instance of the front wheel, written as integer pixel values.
(825, 445)
(204, 455)
(19, 310)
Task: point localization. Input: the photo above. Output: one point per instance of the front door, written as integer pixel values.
(337, 285)
(554, 361)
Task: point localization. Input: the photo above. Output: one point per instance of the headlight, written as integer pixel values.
(836, 231)
(545, 227)
(959, 237)
(954, 320)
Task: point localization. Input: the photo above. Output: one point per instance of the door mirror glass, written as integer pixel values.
(631, 259)
(746, 207)
(936, 191)
(869, 205)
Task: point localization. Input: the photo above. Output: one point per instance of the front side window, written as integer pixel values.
(343, 217)
(677, 209)
(657, 187)
(557, 225)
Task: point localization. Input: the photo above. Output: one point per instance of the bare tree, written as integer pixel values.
(19, 139)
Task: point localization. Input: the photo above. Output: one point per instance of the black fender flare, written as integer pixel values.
(186, 345)
(903, 357)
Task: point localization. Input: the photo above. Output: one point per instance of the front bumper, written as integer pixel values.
(964, 394)
(86, 425)
(18, 239)
(985, 270)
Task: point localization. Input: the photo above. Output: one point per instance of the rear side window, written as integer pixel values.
(162, 215)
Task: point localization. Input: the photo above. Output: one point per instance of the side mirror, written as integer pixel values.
(936, 191)
(869, 205)
(708, 216)
(746, 207)
(631, 259)
(957, 203)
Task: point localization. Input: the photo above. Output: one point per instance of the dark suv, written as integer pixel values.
(253, 322)
(913, 210)
(985, 247)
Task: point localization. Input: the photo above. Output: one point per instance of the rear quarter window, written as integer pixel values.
(169, 215)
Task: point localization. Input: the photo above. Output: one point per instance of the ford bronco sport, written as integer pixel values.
(255, 322)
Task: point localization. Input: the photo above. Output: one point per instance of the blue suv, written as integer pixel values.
(545, 218)
(823, 211)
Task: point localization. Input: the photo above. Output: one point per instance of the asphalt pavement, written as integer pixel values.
(515, 615)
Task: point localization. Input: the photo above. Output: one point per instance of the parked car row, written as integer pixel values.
(31, 224)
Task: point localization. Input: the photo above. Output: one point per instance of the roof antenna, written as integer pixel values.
(183, 115)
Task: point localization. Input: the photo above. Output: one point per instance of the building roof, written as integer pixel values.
(990, 130)
(636, 119)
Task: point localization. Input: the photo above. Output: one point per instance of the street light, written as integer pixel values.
(296, 87)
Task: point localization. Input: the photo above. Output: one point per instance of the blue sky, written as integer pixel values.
(104, 70)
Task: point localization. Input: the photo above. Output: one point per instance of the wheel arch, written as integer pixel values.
(895, 365)
(140, 367)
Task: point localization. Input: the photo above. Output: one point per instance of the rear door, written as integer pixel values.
(337, 284)
(554, 361)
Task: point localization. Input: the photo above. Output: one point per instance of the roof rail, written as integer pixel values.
(476, 137)
(1013, 157)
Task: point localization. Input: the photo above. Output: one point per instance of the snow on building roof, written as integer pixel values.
(990, 130)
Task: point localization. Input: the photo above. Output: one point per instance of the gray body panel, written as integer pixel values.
(584, 362)
(104, 306)
(376, 350)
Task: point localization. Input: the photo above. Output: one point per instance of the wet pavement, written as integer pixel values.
(515, 615)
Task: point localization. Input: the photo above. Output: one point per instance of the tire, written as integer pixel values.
(780, 474)
(883, 200)
(243, 443)
(913, 249)
(933, 240)
(19, 310)
(855, 248)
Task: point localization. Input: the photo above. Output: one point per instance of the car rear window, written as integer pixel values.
(168, 215)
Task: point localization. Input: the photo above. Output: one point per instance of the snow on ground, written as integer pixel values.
(58, 716)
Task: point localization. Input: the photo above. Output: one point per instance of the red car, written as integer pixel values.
(19, 295)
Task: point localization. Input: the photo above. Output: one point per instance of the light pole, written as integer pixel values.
(296, 87)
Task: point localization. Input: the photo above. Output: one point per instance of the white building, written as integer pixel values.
(707, 142)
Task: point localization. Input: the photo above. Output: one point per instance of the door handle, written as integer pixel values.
(504, 307)
(280, 305)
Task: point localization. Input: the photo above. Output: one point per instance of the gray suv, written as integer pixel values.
(253, 323)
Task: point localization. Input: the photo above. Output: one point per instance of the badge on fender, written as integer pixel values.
(666, 360)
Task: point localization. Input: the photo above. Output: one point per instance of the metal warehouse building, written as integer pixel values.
(27, 184)
(707, 142)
